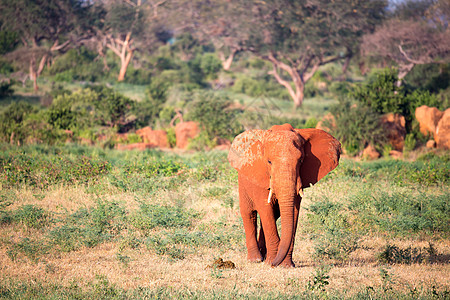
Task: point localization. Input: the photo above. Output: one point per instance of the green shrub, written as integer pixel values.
(392, 254)
(32, 249)
(77, 64)
(12, 127)
(31, 216)
(44, 171)
(331, 230)
(6, 89)
(89, 227)
(402, 213)
(150, 216)
(356, 126)
(214, 115)
(89, 107)
(210, 65)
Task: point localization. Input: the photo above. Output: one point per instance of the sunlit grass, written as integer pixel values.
(153, 222)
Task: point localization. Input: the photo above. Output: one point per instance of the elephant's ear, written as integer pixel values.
(321, 152)
(247, 157)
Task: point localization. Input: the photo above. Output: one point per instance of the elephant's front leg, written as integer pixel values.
(267, 213)
(249, 218)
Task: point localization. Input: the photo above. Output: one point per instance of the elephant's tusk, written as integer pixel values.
(300, 192)
(270, 196)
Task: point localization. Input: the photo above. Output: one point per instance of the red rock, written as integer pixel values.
(370, 153)
(431, 144)
(329, 120)
(156, 137)
(394, 126)
(428, 118)
(185, 131)
(395, 154)
(443, 131)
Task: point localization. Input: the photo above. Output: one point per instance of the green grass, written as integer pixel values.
(182, 208)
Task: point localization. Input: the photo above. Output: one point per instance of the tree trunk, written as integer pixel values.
(125, 61)
(33, 75)
(402, 72)
(298, 92)
(227, 61)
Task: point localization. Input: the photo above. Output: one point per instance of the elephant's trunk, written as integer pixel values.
(287, 229)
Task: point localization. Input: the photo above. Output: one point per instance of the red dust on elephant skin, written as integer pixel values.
(274, 166)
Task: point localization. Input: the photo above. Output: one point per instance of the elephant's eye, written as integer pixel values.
(269, 162)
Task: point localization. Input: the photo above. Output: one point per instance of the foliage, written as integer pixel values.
(150, 216)
(383, 95)
(88, 227)
(8, 41)
(43, 171)
(6, 89)
(31, 216)
(89, 107)
(331, 230)
(356, 126)
(77, 64)
(12, 126)
(392, 254)
(319, 280)
(214, 115)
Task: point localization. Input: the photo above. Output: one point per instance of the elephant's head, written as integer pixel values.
(283, 161)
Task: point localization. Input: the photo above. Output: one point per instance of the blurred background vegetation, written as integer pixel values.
(103, 67)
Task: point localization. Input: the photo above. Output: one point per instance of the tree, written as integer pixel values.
(218, 22)
(45, 28)
(125, 23)
(409, 40)
(298, 37)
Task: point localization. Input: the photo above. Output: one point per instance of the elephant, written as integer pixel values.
(274, 166)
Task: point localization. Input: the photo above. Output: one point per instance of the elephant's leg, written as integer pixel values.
(272, 239)
(249, 218)
(262, 241)
(287, 262)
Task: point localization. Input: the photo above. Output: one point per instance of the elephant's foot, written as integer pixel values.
(287, 263)
(255, 257)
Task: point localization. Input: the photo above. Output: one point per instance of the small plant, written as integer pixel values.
(150, 216)
(123, 259)
(331, 231)
(32, 249)
(319, 279)
(387, 280)
(31, 216)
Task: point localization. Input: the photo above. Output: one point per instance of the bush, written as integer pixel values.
(214, 115)
(31, 216)
(89, 107)
(6, 89)
(12, 127)
(356, 126)
(210, 65)
(383, 95)
(43, 171)
(77, 64)
(150, 216)
(331, 230)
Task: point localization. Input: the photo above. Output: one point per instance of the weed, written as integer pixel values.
(150, 216)
(32, 249)
(31, 216)
(331, 230)
(319, 280)
(392, 254)
(123, 259)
